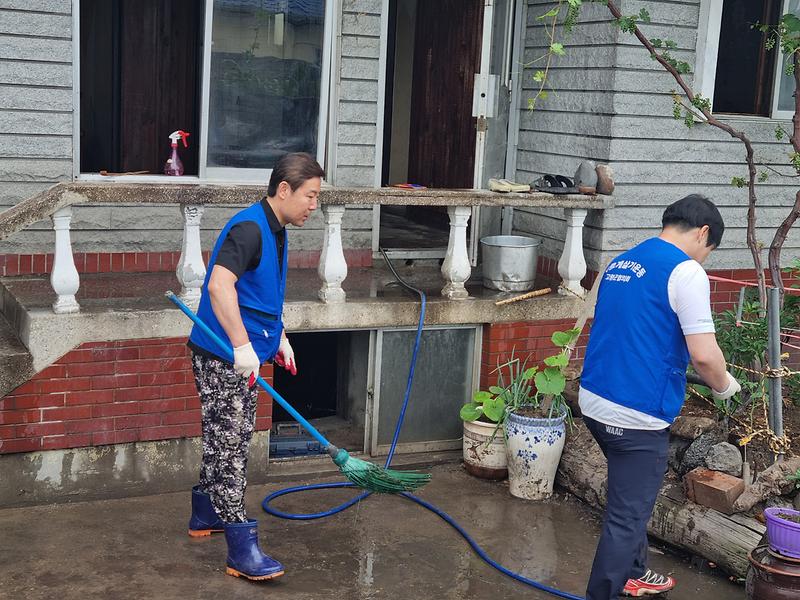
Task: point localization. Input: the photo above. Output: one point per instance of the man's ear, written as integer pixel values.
(703, 234)
(284, 190)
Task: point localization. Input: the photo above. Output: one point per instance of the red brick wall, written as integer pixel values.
(109, 393)
(147, 262)
(527, 338)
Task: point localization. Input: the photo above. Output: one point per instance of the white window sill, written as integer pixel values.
(173, 180)
(750, 118)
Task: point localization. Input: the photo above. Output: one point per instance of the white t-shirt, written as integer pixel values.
(690, 297)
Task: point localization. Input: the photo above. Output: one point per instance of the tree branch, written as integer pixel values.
(752, 241)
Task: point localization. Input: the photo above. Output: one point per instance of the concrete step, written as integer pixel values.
(16, 363)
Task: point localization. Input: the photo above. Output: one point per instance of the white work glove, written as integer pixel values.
(732, 389)
(285, 356)
(246, 363)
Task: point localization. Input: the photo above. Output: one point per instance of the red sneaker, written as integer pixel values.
(649, 583)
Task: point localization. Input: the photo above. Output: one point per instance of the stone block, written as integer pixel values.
(726, 458)
(713, 489)
(691, 428)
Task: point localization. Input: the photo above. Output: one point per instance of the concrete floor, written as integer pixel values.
(384, 548)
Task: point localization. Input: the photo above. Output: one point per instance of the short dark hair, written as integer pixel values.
(694, 211)
(295, 169)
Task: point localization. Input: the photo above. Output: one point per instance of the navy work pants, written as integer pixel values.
(637, 462)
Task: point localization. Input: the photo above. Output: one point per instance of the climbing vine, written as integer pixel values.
(694, 109)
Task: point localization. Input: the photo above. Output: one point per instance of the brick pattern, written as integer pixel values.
(547, 272)
(149, 262)
(523, 339)
(110, 393)
(725, 296)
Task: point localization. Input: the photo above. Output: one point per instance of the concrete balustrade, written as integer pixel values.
(192, 198)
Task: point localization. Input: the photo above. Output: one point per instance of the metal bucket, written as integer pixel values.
(509, 262)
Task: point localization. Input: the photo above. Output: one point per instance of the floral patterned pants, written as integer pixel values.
(229, 413)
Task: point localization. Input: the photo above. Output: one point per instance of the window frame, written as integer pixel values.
(776, 88)
(226, 175)
(707, 53)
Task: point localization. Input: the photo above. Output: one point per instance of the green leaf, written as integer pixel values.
(657, 43)
(530, 373)
(470, 412)
(791, 23)
(550, 13)
(494, 409)
(539, 76)
(481, 397)
(644, 15)
(543, 95)
(738, 182)
(671, 44)
(557, 48)
(763, 176)
(550, 381)
(557, 360)
(496, 390)
(562, 339)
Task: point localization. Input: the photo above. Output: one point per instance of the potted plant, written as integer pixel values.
(783, 530)
(484, 450)
(535, 428)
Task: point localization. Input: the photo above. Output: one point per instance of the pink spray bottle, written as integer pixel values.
(174, 166)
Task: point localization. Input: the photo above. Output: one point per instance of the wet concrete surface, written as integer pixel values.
(384, 547)
(146, 290)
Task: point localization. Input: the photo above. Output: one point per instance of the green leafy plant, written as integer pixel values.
(513, 389)
(795, 478)
(519, 386)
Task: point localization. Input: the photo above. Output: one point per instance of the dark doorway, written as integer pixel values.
(330, 388)
(446, 57)
(140, 78)
(429, 136)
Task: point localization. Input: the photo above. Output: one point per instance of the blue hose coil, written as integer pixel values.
(265, 504)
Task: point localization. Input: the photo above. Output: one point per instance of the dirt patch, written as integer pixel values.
(758, 452)
(794, 518)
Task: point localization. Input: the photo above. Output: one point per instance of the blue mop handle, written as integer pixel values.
(229, 353)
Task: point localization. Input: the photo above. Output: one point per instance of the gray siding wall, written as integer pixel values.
(573, 124)
(35, 100)
(358, 93)
(656, 159)
(36, 135)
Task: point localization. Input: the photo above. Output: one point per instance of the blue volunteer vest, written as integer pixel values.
(637, 354)
(261, 292)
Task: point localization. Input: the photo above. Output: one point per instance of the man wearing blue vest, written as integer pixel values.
(653, 315)
(242, 302)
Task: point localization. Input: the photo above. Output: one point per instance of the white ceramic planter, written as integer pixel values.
(533, 448)
(482, 459)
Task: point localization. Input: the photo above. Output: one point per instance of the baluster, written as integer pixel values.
(572, 264)
(64, 278)
(332, 264)
(191, 270)
(456, 268)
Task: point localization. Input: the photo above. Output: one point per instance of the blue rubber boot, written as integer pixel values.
(204, 519)
(245, 558)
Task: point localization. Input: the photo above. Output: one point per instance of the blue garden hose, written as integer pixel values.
(265, 504)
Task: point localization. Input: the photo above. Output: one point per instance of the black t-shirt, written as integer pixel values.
(241, 251)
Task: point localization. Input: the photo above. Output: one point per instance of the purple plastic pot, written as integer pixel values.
(783, 535)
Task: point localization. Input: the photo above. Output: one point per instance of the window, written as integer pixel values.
(247, 78)
(783, 106)
(745, 69)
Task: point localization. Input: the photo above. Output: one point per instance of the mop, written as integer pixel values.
(361, 473)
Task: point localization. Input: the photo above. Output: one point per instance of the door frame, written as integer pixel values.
(513, 49)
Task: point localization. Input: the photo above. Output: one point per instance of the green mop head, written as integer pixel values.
(374, 478)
